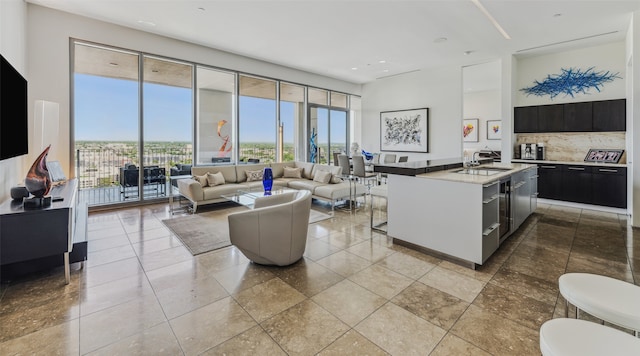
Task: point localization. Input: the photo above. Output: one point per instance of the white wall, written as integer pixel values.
(13, 24)
(609, 57)
(439, 89)
(482, 105)
(48, 47)
(632, 56)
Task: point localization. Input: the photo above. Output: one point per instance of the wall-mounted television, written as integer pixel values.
(14, 132)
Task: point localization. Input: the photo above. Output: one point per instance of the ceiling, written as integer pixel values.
(380, 38)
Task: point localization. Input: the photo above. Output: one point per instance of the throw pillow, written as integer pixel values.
(292, 172)
(322, 177)
(254, 176)
(335, 179)
(202, 179)
(215, 179)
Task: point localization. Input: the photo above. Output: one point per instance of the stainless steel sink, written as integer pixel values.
(479, 171)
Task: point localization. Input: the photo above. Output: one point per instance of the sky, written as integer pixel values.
(106, 109)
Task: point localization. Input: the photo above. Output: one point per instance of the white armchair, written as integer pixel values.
(275, 231)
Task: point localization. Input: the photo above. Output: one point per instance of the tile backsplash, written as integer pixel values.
(573, 146)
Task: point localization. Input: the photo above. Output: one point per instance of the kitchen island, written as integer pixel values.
(458, 213)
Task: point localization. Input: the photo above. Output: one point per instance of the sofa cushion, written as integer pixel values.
(278, 168)
(253, 176)
(214, 179)
(242, 169)
(307, 169)
(336, 172)
(217, 191)
(229, 172)
(338, 191)
(292, 172)
(202, 180)
(305, 184)
(322, 177)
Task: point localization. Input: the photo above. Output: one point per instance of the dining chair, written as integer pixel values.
(403, 159)
(335, 158)
(376, 158)
(343, 161)
(389, 158)
(360, 172)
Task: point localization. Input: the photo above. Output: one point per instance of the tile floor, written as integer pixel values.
(355, 292)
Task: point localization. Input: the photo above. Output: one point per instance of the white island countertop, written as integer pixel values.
(451, 175)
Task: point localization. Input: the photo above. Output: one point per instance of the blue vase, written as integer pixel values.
(267, 180)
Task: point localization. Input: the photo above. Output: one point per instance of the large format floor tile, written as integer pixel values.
(354, 292)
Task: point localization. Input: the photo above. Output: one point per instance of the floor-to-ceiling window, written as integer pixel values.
(257, 127)
(291, 126)
(106, 127)
(132, 119)
(215, 121)
(328, 125)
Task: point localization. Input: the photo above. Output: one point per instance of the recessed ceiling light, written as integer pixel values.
(202, 9)
(154, 71)
(466, 53)
(557, 15)
(354, 68)
(382, 61)
(146, 23)
(440, 40)
(386, 71)
(113, 64)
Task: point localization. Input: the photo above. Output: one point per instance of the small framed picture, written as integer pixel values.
(604, 155)
(494, 129)
(470, 130)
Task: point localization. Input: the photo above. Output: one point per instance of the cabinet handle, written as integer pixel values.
(490, 229)
(576, 168)
(548, 167)
(490, 184)
(608, 170)
(535, 194)
(490, 199)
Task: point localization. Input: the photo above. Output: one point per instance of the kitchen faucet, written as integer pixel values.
(474, 159)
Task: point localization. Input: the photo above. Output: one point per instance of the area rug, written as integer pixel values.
(208, 231)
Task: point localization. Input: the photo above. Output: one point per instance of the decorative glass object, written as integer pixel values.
(267, 180)
(37, 181)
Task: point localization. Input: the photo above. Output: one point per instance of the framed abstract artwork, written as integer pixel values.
(494, 129)
(405, 130)
(470, 130)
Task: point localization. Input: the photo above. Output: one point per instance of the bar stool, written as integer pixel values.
(608, 299)
(377, 191)
(564, 336)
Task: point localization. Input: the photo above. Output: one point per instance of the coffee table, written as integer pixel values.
(247, 197)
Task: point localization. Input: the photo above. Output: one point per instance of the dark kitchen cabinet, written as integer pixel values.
(578, 117)
(525, 119)
(550, 181)
(576, 184)
(610, 115)
(610, 186)
(551, 118)
(605, 186)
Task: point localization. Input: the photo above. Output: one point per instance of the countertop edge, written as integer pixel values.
(450, 176)
(594, 164)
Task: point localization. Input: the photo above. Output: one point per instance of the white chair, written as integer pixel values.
(377, 191)
(608, 299)
(580, 337)
(275, 231)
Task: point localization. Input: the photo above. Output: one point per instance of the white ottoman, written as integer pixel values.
(580, 337)
(609, 299)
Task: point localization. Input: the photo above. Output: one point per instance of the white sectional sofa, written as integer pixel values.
(235, 178)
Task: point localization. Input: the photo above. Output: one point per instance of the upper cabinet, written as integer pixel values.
(610, 115)
(606, 115)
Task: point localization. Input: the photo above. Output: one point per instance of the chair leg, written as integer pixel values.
(566, 308)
